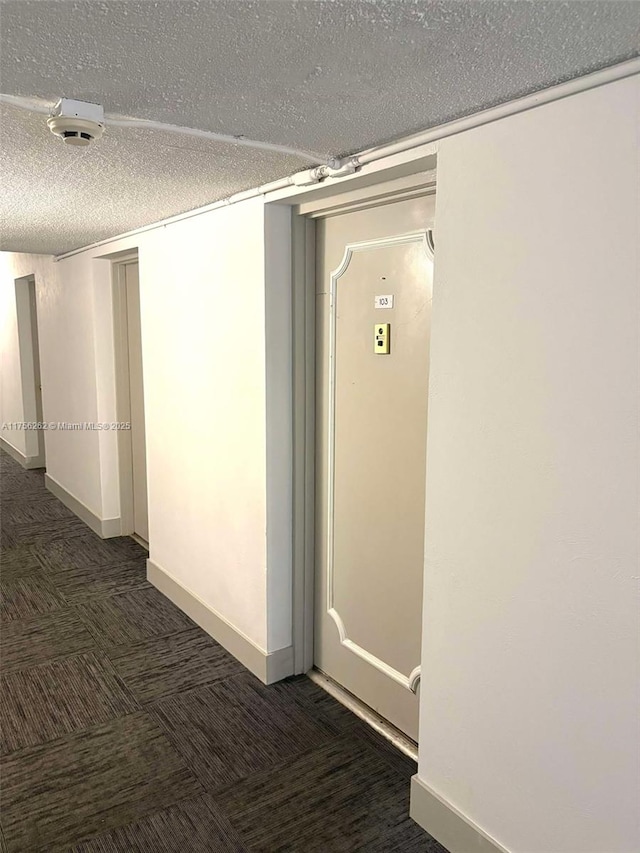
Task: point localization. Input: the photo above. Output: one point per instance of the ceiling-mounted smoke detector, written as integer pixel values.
(76, 122)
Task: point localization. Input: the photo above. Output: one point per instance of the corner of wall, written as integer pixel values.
(279, 424)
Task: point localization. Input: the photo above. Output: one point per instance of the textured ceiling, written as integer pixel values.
(327, 76)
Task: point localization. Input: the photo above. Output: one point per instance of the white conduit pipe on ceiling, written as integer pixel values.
(336, 168)
(144, 124)
(37, 106)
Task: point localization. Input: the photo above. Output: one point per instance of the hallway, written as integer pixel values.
(126, 728)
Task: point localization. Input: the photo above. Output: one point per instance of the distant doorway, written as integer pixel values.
(30, 379)
(130, 401)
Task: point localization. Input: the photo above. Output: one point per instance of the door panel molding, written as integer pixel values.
(410, 680)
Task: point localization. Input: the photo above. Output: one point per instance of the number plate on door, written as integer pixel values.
(384, 301)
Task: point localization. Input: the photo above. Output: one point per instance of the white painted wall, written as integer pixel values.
(203, 338)
(279, 421)
(68, 349)
(529, 697)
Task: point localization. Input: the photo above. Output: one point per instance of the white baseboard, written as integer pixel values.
(446, 824)
(28, 462)
(269, 667)
(106, 528)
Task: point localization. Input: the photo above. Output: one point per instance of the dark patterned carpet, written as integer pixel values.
(126, 728)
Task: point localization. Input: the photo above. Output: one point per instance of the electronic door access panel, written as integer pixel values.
(382, 339)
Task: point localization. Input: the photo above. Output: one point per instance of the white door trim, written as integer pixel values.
(304, 442)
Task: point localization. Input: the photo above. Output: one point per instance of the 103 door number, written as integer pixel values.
(384, 301)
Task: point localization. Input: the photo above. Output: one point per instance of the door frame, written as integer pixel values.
(304, 438)
(123, 388)
(305, 212)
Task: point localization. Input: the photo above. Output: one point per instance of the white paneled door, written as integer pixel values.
(374, 293)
